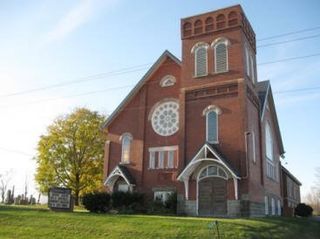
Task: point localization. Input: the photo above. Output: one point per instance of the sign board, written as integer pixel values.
(60, 199)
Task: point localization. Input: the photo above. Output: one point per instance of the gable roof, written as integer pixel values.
(166, 54)
(203, 155)
(122, 171)
(286, 171)
(265, 95)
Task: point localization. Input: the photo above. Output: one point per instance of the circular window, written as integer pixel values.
(165, 118)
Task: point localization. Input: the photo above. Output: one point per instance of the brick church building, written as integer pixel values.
(203, 126)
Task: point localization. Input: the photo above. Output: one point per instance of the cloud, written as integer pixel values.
(74, 18)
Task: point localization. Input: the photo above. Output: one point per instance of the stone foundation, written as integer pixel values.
(251, 209)
(235, 208)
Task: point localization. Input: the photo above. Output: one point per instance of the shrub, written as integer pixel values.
(96, 202)
(127, 201)
(171, 203)
(303, 210)
(167, 207)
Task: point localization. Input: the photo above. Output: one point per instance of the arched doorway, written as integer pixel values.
(121, 185)
(212, 191)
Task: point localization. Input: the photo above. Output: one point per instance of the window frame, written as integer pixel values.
(266, 205)
(216, 141)
(196, 61)
(161, 159)
(273, 206)
(124, 137)
(279, 207)
(152, 159)
(166, 194)
(155, 162)
(254, 154)
(215, 57)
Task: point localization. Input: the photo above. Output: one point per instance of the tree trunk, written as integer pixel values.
(76, 197)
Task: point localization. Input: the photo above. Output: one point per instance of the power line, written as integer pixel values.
(145, 66)
(288, 59)
(297, 90)
(288, 41)
(288, 33)
(70, 96)
(16, 152)
(131, 85)
(82, 79)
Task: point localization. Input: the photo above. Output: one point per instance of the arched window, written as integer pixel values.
(200, 59)
(252, 65)
(221, 57)
(269, 142)
(211, 112)
(167, 81)
(212, 127)
(213, 171)
(126, 140)
(271, 165)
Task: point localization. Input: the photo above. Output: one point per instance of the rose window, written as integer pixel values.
(165, 118)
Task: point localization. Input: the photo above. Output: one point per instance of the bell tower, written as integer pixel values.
(217, 46)
(218, 89)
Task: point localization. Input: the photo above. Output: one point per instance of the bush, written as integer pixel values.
(303, 210)
(127, 201)
(96, 202)
(171, 203)
(167, 207)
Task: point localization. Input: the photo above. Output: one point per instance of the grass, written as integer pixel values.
(30, 223)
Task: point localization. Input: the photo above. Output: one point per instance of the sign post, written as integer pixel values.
(60, 199)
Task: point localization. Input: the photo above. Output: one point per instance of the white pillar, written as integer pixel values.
(186, 187)
(235, 183)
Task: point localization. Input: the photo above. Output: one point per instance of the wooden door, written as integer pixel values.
(212, 197)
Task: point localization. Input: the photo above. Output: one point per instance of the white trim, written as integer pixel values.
(209, 108)
(186, 188)
(163, 148)
(236, 188)
(161, 160)
(252, 73)
(199, 45)
(139, 85)
(196, 60)
(215, 58)
(273, 206)
(152, 160)
(211, 176)
(197, 160)
(266, 205)
(124, 151)
(246, 52)
(217, 127)
(279, 207)
(165, 79)
(220, 40)
(254, 147)
(116, 172)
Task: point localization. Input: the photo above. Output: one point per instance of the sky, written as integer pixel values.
(91, 53)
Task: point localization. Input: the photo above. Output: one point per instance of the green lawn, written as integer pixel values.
(35, 223)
